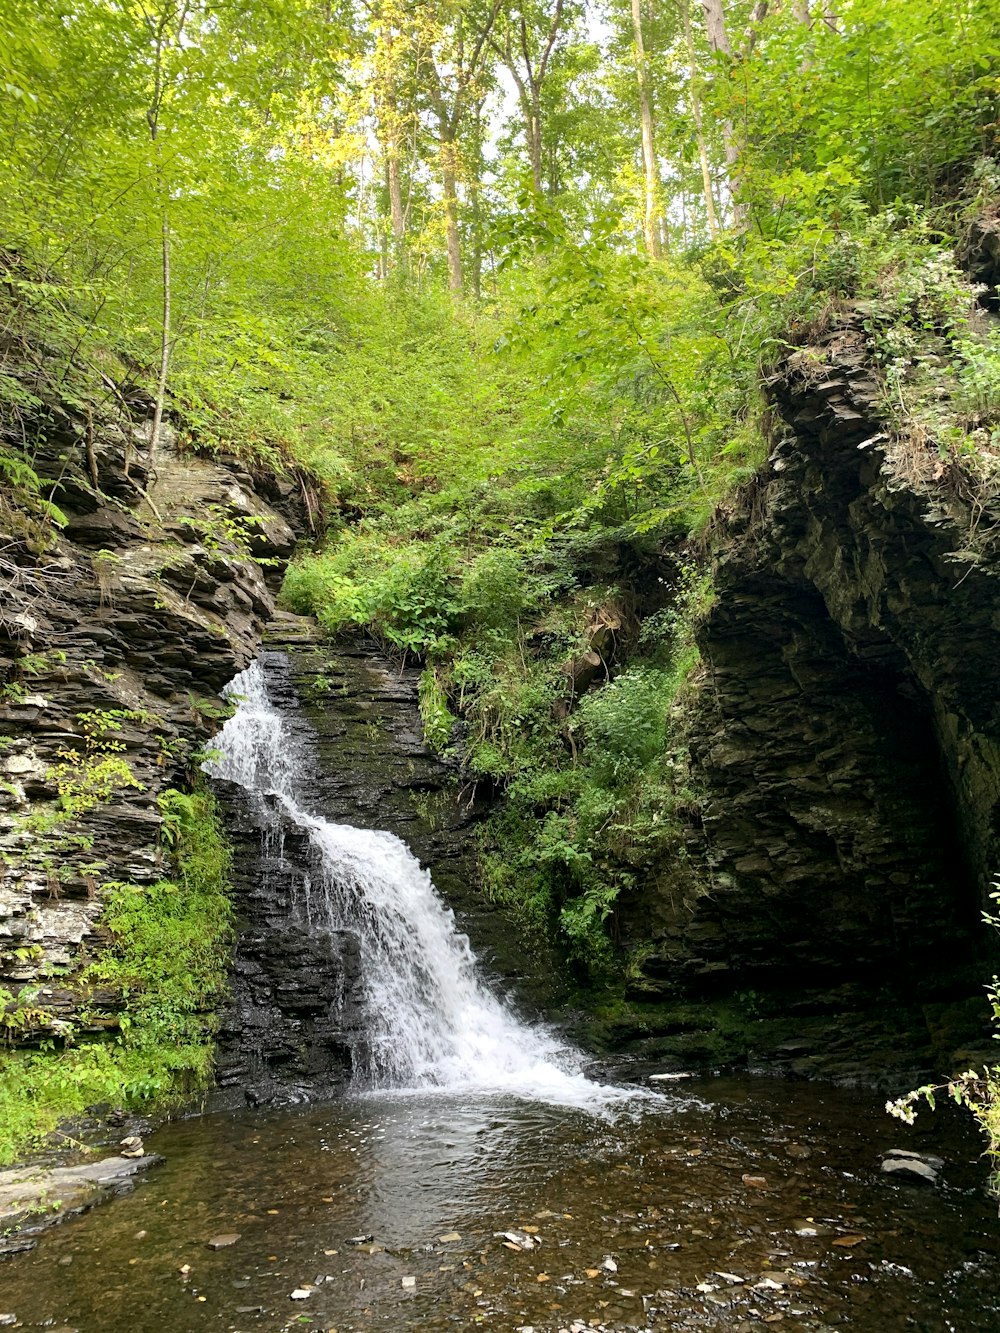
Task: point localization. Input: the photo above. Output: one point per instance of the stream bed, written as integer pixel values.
(724, 1204)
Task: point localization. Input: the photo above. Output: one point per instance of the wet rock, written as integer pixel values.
(223, 1241)
(33, 1198)
(847, 738)
(912, 1166)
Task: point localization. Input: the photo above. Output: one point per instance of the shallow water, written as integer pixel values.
(658, 1189)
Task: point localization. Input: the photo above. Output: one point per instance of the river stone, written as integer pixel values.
(224, 1241)
(904, 1154)
(911, 1168)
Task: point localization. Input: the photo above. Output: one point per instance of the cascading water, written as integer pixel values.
(430, 1021)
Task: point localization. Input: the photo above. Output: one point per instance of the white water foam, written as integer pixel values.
(431, 1022)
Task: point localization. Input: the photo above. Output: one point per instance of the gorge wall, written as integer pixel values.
(117, 632)
(846, 734)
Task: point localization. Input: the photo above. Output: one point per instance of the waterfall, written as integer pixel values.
(430, 1020)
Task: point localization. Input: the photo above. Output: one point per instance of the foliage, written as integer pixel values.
(168, 965)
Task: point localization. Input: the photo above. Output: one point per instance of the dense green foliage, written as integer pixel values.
(167, 966)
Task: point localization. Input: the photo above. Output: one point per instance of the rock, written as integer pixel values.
(132, 1146)
(608, 1264)
(224, 1241)
(408, 1282)
(26, 1192)
(904, 1154)
(300, 1294)
(127, 619)
(755, 1182)
(448, 1237)
(910, 1168)
(847, 735)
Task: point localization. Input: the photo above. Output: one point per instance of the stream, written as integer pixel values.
(480, 1173)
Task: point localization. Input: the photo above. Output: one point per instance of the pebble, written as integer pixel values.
(301, 1293)
(408, 1282)
(7, 1319)
(222, 1242)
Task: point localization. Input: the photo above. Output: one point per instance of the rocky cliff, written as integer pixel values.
(117, 632)
(846, 738)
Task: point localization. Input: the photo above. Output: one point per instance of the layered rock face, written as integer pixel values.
(847, 735)
(114, 644)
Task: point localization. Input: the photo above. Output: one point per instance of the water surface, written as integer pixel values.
(639, 1213)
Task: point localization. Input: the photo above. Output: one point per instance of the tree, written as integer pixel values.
(455, 49)
(525, 42)
(653, 213)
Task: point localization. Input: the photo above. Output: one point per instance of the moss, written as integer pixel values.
(168, 962)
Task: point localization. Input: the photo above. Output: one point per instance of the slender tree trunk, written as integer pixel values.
(534, 132)
(161, 379)
(390, 126)
(694, 98)
(449, 175)
(153, 122)
(651, 170)
(718, 37)
(475, 205)
(801, 11)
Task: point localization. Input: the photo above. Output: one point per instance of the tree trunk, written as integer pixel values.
(715, 25)
(390, 128)
(651, 170)
(534, 131)
(718, 37)
(394, 182)
(449, 175)
(699, 129)
(161, 379)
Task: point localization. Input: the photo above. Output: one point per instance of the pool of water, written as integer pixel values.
(723, 1205)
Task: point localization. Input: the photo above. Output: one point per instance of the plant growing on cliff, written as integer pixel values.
(167, 962)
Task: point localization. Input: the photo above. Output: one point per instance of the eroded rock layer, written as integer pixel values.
(847, 735)
(116, 637)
